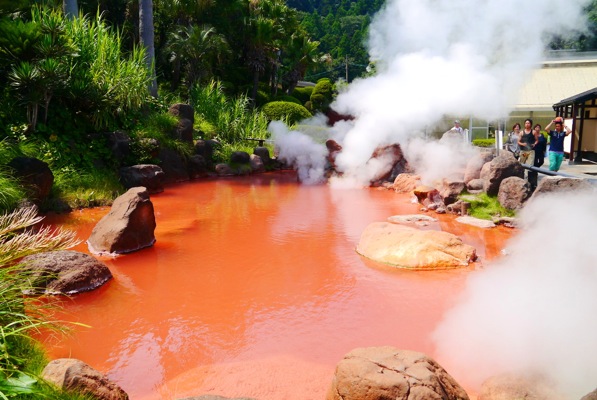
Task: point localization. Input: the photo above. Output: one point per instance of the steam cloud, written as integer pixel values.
(533, 310)
(436, 58)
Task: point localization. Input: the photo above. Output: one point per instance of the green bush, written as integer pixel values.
(262, 98)
(290, 99)
(484, 142)
(303, 93)
(322, 95)
(290, 113)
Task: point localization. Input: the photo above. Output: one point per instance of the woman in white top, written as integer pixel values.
(513, 137)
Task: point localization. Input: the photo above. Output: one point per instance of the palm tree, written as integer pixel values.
(146, 36)
(301, 54)
(195, 51)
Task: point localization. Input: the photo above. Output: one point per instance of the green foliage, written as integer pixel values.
(232, 117)
(106, 84)
(162, 128)
(262, 98)
(322, 95)
(21, 359)
(290, 113)
(303, 93)
(288, 98)
(484, 142)
(484, 206)
(81, 189)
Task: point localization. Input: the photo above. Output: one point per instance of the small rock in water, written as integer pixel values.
(480, 223)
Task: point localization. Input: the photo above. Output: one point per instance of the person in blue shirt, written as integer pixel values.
(556, 143)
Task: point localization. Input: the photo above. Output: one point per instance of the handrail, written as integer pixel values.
(557, 173)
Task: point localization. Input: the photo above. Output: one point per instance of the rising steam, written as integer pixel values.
(533, 310)
(436, 58)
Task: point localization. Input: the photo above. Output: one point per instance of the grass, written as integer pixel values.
(80, 189)
(21, 358)
(486, 207)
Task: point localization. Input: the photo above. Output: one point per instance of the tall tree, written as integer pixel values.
(70, 8)
(146, 35)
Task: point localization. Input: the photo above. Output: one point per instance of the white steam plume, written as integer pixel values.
(450, 57)
(533, 311)
(301, 151)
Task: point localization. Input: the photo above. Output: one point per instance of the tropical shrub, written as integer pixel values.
(232, 118)
(322, 94)
(288, 98)
(290, 113)
(303, 93)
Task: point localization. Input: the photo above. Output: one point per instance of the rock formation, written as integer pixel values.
(408, 247)
(65, 272)
(380, 373)
(129, 226)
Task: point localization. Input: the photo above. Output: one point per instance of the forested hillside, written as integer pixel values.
(341, 28)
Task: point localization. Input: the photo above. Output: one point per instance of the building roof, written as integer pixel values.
(557, 80)
(579, 98)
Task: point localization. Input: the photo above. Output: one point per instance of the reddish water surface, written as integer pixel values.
(253, 288)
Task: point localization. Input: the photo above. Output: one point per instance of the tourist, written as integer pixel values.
(526, 143)
(512, 142)
(556, 143)
(540, 146)
(457, 127)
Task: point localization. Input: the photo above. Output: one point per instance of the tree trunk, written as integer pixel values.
(146, 35)
(70, 8)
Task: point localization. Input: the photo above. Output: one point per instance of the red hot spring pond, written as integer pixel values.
(253, 288)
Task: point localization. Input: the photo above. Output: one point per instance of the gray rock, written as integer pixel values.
(257, 164)
(559, 184)
(475, 164)
(514, 192)
(35, 175)
(65, 272)
(74, 375)
(181, 111)
(147, 175)
(262, 152)
(240, 157)
(129, 226)
(500, 168)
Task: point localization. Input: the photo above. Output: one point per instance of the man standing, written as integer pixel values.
(556, 144)
(457, 127)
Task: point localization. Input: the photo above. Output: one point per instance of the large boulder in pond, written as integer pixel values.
(380, 373)
(129, 226)
(70, 374)
(500, 168)
(65, 272)
(408, 247)
(35, 175)
(149, 176)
